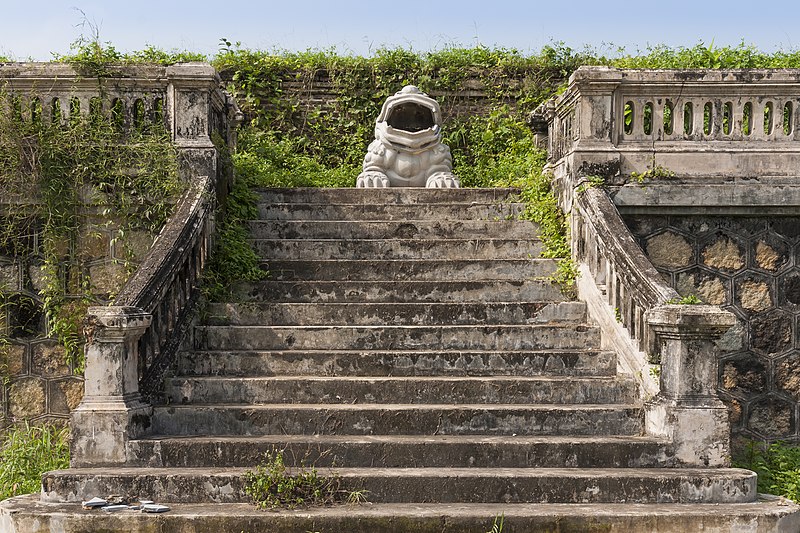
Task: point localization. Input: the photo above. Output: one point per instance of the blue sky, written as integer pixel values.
(36, 28)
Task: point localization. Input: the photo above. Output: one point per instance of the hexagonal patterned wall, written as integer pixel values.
(37, 385)
(750, 266)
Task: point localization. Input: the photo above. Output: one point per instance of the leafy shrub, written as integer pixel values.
(271, 485)
(26, 452)
(777, 466)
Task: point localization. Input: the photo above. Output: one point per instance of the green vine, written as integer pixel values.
(272, 485)
(65, 176)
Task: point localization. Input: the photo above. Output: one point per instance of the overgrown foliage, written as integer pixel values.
(233, 259)
(26, 452)
(272, 485)
(54, 174)
(777, 466)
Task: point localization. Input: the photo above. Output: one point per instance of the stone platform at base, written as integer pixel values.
(27, 514)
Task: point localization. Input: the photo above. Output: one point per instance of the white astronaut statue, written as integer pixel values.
(408, 150)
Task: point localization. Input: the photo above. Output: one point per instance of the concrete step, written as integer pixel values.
(25, 514)
(424, 390)
(403, 451)
(410, 485)
(405, 195)
(393, 314)
(397, 248)
(471, 337)
(398, 363)
(403, 212)
(400, 291)
(393, 229)
(409, 269)
(397, 419)
(768, 515)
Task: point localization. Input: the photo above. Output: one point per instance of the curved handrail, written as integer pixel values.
(166, 284)
(628, 281)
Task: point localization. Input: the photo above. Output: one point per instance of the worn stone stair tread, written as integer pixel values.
(492, 337)
(464, 248)
(389, 229)
(398, 419)
(771, 514)
(522, 390)
(474, 451)
(406, 195)
(408, 439)
(403, 313)
(416, 406)
(408, 269)
(450, 484)
(397, 362)
(489, 211)
(486, 290)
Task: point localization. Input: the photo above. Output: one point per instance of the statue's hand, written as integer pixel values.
(372, 179)
(443, 180)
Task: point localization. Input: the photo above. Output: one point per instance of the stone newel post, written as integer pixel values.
(112, 411)
(688, 410)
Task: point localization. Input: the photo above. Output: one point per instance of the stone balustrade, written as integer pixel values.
(687, 128)
(701, 127)
(131, 342)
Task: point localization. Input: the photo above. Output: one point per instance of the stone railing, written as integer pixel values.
(611, 123)
(669, 349)
(132, 342)
(625, 283)
(704, 127)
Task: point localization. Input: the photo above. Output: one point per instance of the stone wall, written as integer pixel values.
(750, 266)
(39, 385)
(320, 92)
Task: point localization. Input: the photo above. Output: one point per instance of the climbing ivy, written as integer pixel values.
(56, 174)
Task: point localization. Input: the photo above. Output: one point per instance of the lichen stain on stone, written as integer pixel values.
(107, 278)
(48, 359)
(734, 411)
(766, 257)
(73, 392)
(669, 250)
(712, 291)
(747, 375)
(26, 398)
(772, 419)
(723, 254)
(755, 296)
(13, 356)
(791, 289)
(771, 334)
(787, 375)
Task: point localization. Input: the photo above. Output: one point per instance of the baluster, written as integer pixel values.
(698, 116)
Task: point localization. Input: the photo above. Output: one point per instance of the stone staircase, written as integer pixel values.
(411, 340)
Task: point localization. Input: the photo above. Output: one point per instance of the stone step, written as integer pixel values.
(397, 419)
(409, 269)
(356, 390)
(398, 363)
(397, 249)
(400, 291)
(471, 337)
(392, 229)
(405, 195)
(393, 314)
(403, 451)
(403, 212)
(411, 485)
(769, 514)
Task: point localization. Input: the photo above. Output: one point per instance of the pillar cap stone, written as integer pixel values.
(698, 319)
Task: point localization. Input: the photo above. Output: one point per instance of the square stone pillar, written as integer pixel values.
(112, 411)
(688, 410)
